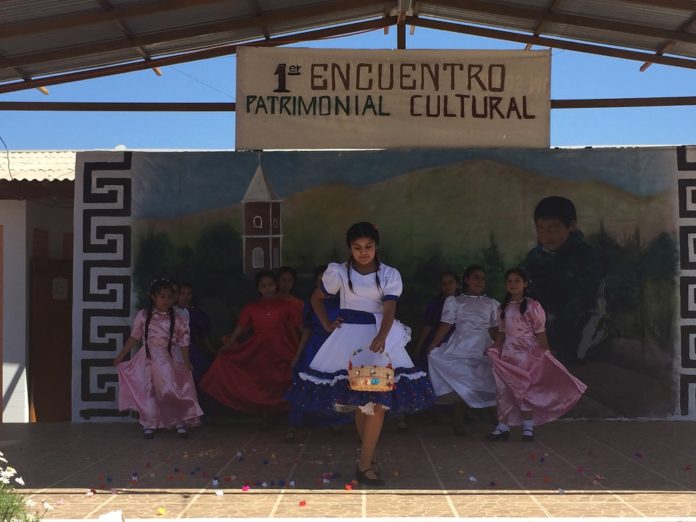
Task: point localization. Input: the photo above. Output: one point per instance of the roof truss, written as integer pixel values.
(60, 46)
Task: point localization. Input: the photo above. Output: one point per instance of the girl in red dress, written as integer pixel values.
(287, 277)
(252, 376)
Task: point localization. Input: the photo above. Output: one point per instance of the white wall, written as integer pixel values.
(19, 218)
(13, 217)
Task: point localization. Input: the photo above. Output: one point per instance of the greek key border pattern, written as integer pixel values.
(686, 356)
(106, 197)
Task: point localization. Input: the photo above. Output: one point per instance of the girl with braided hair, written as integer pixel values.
(533, 388)
(157, 382)
(368, 291)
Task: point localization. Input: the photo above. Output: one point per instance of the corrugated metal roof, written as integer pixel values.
(41, 38)
(37, 165)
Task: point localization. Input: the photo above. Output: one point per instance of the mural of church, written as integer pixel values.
(262, 237)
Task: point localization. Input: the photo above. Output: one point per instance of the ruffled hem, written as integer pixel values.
(319, 392)
(332, 378)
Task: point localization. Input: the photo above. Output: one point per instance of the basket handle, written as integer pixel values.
(356, 352)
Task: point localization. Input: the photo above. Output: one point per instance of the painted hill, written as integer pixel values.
(453, 209)
(456, 208)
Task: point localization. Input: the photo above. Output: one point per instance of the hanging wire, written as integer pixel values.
(7, 154)
(180, 71)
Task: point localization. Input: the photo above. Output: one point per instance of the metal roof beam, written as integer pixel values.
(587, 103)
(123, 27)
(542, 15)
(319, 34)
(540, 23)
(551, 42)
(684, 5)
(81, 19)
(120, 106)
(180, 34)
(254, 6)
(666, 46)
(139, 9)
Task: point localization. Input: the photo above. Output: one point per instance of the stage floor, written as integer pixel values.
(574, 469)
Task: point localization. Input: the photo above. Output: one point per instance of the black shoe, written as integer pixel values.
(364, 479)
(376, 467)
(528, 436)
(148, 434)
(497, 435)
(181, 432)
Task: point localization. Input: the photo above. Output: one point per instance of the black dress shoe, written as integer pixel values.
(148, 434)
(497, 435)
(364, 479)
(528, 436)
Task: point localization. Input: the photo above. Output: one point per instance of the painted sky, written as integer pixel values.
(195, 181)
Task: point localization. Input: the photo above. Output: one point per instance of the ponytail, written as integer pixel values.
(147, 329)
(379, 284)
(172, 320)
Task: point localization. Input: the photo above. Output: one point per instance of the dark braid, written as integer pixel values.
(155, 287)
(504, 304)
(349, 265)
(172, 320)
(147, 329)
(508, 297)
(379, 285)
(523, 304)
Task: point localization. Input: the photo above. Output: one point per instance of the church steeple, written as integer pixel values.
(259, 188)
(262, 237)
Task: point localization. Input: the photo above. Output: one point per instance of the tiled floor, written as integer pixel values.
(574, 469)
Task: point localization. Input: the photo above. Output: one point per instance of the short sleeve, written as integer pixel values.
(493, 318)
(392, 285)
(295, 313)
(331, 279)
(182, 334)
(449, 310)
(245, 317)
(537, 316)
(138, 326)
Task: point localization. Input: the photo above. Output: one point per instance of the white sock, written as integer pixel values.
(501, 427)
(528, 425)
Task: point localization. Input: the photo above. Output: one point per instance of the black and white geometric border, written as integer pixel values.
(102, 279)
(686, 356)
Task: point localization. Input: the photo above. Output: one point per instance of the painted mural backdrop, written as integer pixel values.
(213, 218)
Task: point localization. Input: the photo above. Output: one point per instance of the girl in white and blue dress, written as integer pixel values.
(368, 291)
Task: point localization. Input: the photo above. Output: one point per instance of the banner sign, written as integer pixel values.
(290, 98)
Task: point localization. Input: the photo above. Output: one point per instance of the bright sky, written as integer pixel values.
(573, 75)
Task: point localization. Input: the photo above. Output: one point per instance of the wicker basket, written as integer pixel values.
(370, 378)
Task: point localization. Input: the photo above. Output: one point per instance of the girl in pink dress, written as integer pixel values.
(533, 388)
(157, 381)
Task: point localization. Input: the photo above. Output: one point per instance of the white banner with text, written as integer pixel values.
(294, 98)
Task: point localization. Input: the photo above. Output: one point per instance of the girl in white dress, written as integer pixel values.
(460, 366)
(368, 291)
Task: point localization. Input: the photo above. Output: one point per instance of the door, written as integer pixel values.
(50, 339)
